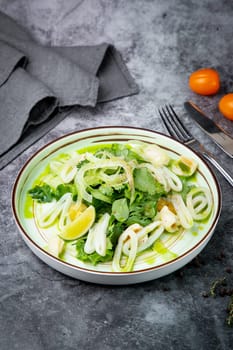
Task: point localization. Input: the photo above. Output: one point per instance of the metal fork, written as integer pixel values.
(176, 129)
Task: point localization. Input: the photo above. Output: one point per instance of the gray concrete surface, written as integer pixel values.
(161, 42)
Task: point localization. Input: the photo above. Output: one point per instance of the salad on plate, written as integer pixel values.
(110, 203)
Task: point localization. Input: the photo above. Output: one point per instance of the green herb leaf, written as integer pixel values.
(62, 189)
(115, 229)
(143, 209)
(230, 312)
(120, 209)
(120, 150)
(145, 182)
(83, 162)
(101, 207)
(215, 285)
(43, 194)
(93, 258)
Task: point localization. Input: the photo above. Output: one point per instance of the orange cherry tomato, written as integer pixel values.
(204, 81)
(226, 106)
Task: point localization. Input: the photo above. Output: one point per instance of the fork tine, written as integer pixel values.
(173, 121)
(177, 121)
(172, 125)
(166, 121)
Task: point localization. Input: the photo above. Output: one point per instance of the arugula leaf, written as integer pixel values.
(93, 258)
(43, 194)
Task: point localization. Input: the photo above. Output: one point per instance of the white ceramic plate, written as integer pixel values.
(173, 251)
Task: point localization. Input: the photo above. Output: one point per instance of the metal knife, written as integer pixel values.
(224, 141)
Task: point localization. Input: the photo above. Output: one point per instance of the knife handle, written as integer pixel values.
(224, 173)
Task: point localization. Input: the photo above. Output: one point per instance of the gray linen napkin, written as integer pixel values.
(24, 102)
(52, 76)
(10, 59)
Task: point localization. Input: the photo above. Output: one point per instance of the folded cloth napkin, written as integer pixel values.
(37, 82)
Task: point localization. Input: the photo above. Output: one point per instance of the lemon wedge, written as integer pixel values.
(80, 225)
(75, 210)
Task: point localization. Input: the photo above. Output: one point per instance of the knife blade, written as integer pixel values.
(224, 141)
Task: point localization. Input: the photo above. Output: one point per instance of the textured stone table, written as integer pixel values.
(161, 42)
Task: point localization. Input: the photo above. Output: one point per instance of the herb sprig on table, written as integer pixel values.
(219, 288)
(230, 312)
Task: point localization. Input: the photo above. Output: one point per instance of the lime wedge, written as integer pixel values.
(80, 225)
